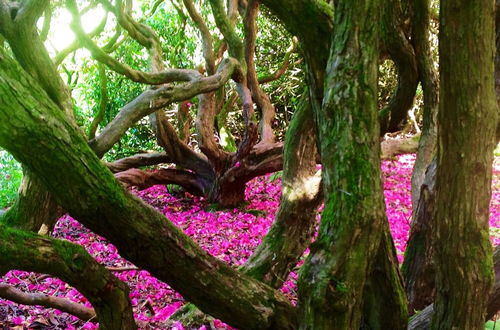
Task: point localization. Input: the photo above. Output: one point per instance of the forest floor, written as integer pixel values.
(230, 235)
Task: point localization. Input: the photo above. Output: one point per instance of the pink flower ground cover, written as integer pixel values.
(229, 235)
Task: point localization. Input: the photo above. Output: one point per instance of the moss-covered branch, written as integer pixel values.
(72, 264)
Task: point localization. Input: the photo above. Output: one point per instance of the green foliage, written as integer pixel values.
(10, 179)
(491, 325)
(275, 176)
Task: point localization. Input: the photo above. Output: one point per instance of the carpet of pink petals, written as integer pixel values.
(229, 235)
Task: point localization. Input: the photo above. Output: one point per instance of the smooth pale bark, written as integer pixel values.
(467, 120)
(88, 190)
(72, 264)
(333, 277)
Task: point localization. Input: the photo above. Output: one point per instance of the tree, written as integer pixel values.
(467, 124)
(351, 278)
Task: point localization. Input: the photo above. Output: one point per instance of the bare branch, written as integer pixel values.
(206, 36)
(152, 78)
(47, 19)
(65, 305)
(145, 179)
(259, 96)
(179, 152)
(235, 45)
(154, 99)
(284, 66)
(103, 101)
(138, 160)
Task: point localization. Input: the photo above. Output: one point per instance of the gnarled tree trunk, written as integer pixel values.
(467, 120)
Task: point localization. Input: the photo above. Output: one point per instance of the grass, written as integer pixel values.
(11, 175)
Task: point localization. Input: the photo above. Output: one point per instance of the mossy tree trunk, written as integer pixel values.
(467, 121)
(90, 193)
(333, 277)
(34, 209)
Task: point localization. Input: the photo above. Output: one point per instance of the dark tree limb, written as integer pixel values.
(428, 77)
(72, 264)
(263, 79)
(401, 52)
(145, 179)
(65, 305)
(418, 268)
(206, 36)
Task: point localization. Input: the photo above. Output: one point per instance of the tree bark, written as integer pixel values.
(423, 320)
(292, 231)
(467, 120)
(333, 277)
(429, 82)
(88, 190)
(65, 305)
(72, 264)
(418, 267)
(34, 209)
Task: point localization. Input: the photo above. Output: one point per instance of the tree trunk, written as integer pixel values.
(418, 266)
(292, 231)
(90, 193)
(333, 277)
(34, 209)
(422, 320)
(428, 79)
(467, 122)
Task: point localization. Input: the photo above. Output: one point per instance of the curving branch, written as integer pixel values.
(103, 101)
(145, 179)
(44, 32)
(65, 305)
(154, 99)
(206, 36)
(235, 45)
(180, 153)
(152, 78)
(402, 53)
(284, 66)
(72, 264)
(259, 96)
(138, 160)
